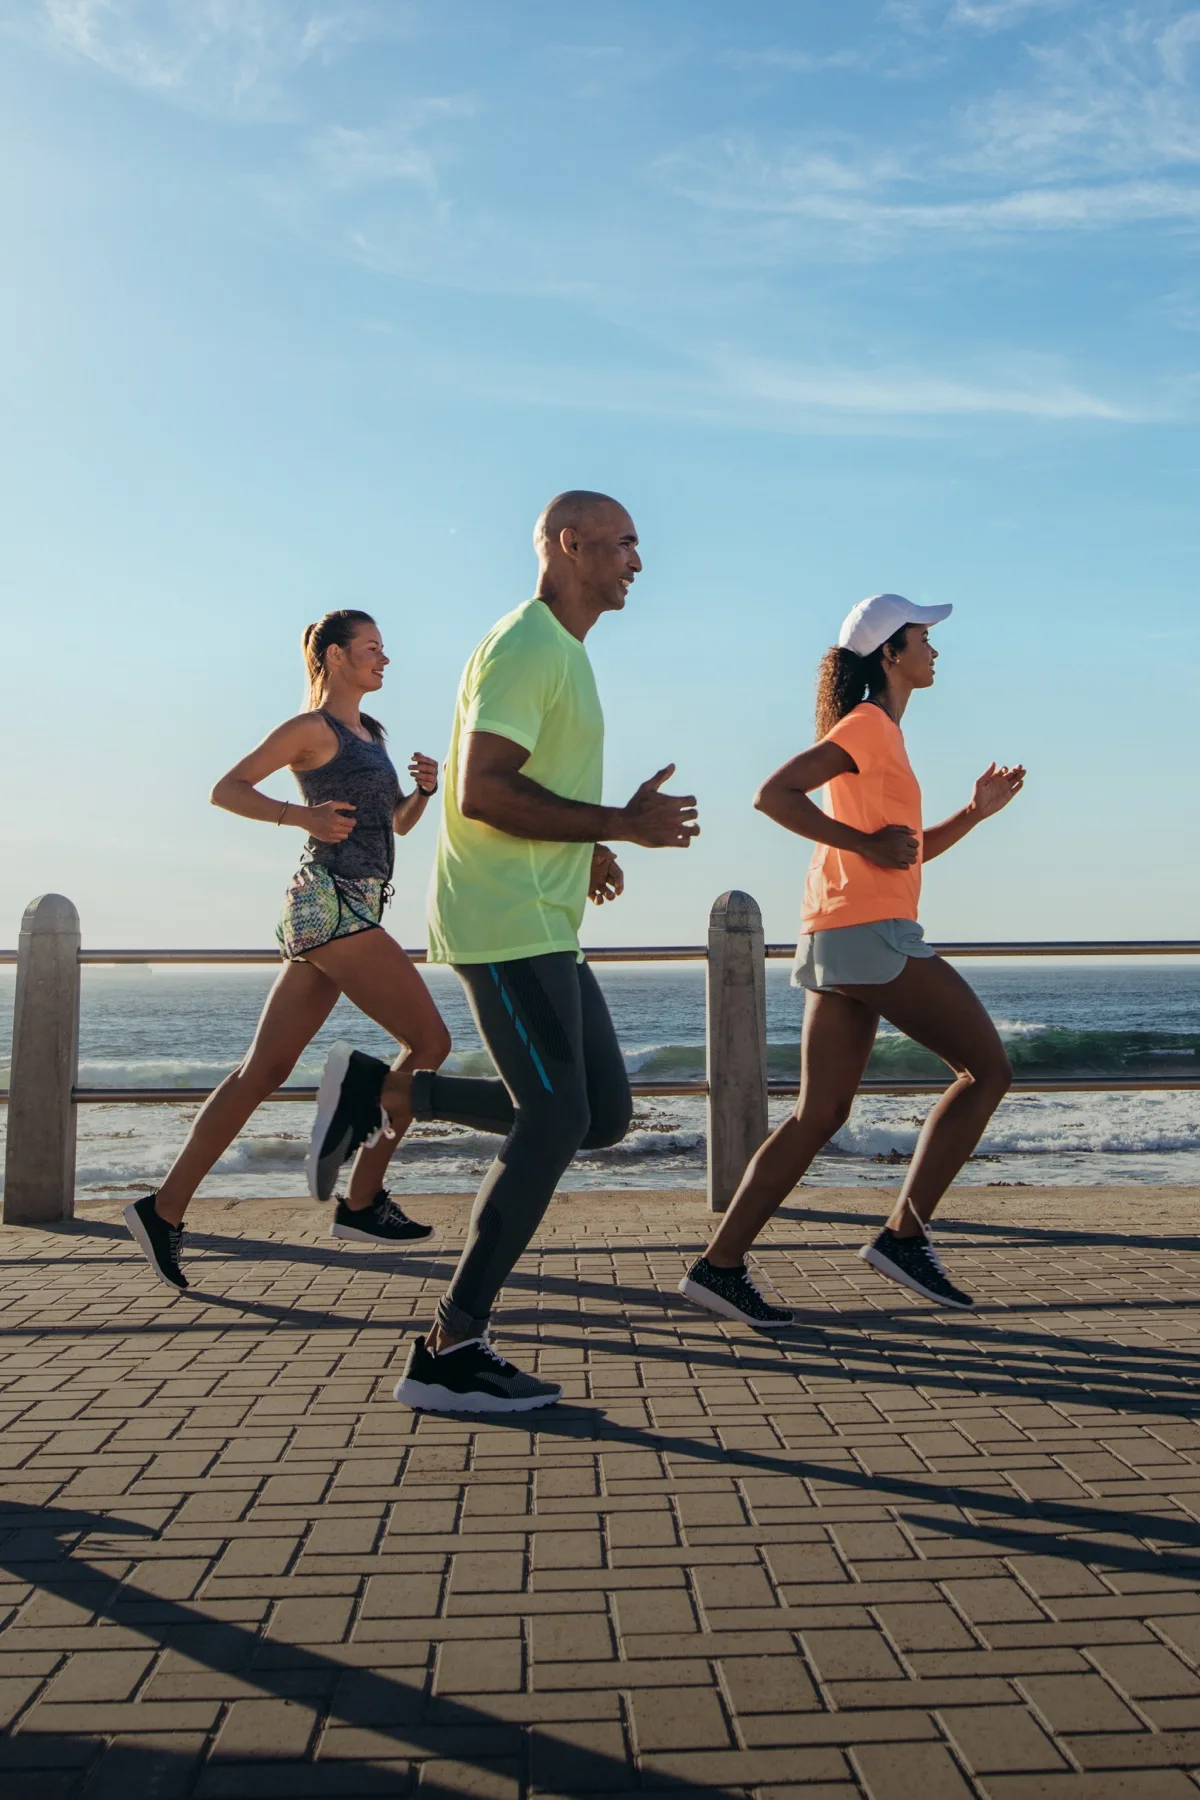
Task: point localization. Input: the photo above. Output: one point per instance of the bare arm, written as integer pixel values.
(424, 772)
(300, 743)
(783, 796)
(493, 790)
(993, 791)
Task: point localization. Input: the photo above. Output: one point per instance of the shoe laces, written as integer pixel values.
(174, 1245)
(384, 1129)
(389, 1212)
(740, 1276)
(928, 1245)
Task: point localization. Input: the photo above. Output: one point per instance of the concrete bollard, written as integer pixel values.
(39, 1163)
(736, 1042)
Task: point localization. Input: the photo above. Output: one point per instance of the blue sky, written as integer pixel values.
(316, 304)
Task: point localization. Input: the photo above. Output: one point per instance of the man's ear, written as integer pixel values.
(568, 539)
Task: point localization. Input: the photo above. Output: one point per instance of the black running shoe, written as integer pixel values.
(383, 1222)
(470, 1378)
(731, 1294)
(915, 1264)
(158, 1242)
(349, 1114)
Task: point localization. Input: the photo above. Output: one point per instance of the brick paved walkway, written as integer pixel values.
(901, 1553)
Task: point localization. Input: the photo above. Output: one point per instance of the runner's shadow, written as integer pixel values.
(900, 1491)
(47, 1547)
(1016, 1233)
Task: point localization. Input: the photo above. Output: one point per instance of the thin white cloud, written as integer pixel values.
(731, 390)
(1001, 15)
(234, 56)
(880, 200)
(1119, 98)
(929, 17)
(1102, 133)
(348, 157)
(918, 393)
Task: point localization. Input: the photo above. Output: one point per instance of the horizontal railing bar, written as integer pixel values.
(663, 1090)
(1074, 947)
(677, 953)
(192, 1096)
(1033, 1084)
(217, 958)
(663, 953)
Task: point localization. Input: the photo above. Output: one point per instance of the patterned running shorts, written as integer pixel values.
(321, 907)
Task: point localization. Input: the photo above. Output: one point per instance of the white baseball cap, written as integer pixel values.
(873, 621)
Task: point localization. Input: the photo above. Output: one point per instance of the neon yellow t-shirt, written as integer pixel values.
(494, 897)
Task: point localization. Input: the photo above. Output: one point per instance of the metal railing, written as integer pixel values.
(44, 1092)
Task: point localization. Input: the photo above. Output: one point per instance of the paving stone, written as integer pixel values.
(583, 1758)
(993, 1739)
(910, 1772)
(102, 1675)
(1145, 1671)
(489, 1666)
(769, 1684)
(275, 1729)
(1079, 1703)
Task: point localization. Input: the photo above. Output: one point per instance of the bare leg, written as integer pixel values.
(373, 971)
(931, 1003)
(836, 1043)
(297, 1006)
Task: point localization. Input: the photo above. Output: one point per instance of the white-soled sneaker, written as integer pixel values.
(916, 1265)
(349, 1114)
(730, 1294)
(158, 1242)
(383, 1222)
(470, 1378)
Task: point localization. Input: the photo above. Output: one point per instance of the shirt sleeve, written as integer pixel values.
(513, 690)
(860, 735)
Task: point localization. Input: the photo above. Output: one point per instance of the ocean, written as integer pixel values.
(163, 1026)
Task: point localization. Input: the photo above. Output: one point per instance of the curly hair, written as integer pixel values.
(845, 679)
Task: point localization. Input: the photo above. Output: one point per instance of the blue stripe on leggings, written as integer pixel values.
(521, 1031)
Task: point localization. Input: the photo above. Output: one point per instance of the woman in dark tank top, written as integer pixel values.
(332, 941)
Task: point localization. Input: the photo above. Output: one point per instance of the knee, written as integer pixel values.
(264, 1073)
(431, 1049)
(991, 1075)
(826, 1117)
(610, 1120)
(565, 1124)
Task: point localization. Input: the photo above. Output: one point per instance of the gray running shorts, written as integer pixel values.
(857, 955)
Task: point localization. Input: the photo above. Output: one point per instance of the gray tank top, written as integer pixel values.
(363, 775)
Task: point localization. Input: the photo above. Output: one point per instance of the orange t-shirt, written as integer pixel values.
(843, 888)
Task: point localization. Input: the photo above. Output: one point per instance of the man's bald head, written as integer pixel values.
(587, 547)
(579, 509)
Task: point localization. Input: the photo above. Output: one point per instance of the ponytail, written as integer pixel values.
(845, 680)
(334, 628)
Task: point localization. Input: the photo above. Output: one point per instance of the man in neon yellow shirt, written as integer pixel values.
(519, 853)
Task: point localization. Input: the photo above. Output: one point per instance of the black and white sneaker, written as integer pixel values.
(470, 1378)
(158, 1242)
(383, 1222)
(349, 1114)
(731, 1294)
(916, 1265)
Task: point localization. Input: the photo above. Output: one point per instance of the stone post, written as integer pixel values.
(39, 1164)
(736, 1043)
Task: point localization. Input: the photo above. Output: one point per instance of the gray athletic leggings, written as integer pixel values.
(562, 1088)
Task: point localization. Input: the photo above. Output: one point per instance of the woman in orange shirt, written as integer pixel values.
(862, 957)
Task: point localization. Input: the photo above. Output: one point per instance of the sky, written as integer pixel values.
(312, 304)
